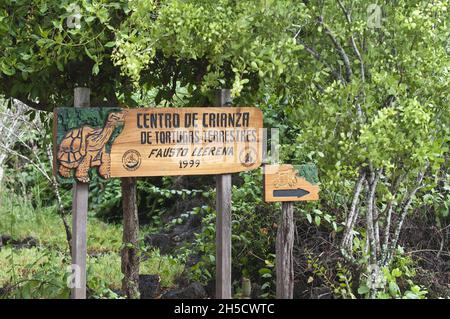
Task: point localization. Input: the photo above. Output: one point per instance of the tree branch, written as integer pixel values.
(347, 239)
(316, 55)
(339, 48)
(388, 211)
(404, 211)
(348, 17)
(372, 182)
(37, 106)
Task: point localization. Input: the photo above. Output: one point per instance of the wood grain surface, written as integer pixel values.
(164, 142)
(282, 183)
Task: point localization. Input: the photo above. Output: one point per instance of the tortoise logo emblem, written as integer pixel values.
(248, 156)
(131, 160)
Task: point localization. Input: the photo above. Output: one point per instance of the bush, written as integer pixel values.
(253, 238)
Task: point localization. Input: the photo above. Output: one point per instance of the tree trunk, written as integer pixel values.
(284, 247)
(130, 256)
(2, 159)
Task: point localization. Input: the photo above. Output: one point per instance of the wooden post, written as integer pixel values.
(223, 222)
(288, 184)
(79, 215)
(284, 247)
(130, 253)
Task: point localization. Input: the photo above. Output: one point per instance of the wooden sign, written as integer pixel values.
(156, 141)
(288, 183)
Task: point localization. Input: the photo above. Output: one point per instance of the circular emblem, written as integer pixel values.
(247, 156)
(131, 160)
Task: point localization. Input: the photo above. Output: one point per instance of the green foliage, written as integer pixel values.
(42, 50)
(202, 45)
(372, 100)
(168, 267)
(253, 237)
(318, 217)
(341, 285)
(404, 133)
(239, 44)
(105, 276)
(267, 277)
(204, 247)
(346, 97)
(437, 197)
(40, 272)
(158, 199)
(32, 273)
(20, 219)
(106, 199)
(397, 280)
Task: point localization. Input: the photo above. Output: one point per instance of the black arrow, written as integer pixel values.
(299, 192)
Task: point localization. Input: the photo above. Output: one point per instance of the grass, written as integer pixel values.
(19, 219)
(33, 273)
(40, 272)
(107, 268)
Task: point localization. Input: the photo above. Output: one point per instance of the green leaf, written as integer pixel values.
(59, 65)
(89, 54)
(8, 70)
(411, 295)
(317, 220)
(363, 289)
(265, 286)
(309, 218)
(396, 272)
(110, 44)
(90, 18)
(263, 271)
(394, 290)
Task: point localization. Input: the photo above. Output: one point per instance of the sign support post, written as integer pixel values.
(288, 184)
(130, 253)
(223, 222)
(79, 216)
(284, 256)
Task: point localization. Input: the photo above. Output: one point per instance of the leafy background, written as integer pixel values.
(368, 106)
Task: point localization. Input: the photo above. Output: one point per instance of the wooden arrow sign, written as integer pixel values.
(299, 192)
(288, 183)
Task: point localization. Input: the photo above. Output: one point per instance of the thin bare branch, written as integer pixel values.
(404, 208)
(348, 17)
(372, 182)
(339, 48)
(347, 239)
(316, 55)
